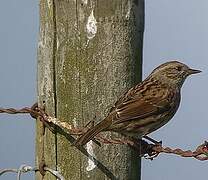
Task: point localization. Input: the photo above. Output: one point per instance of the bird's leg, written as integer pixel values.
(152, 140)
(144, 148)
(140, 146)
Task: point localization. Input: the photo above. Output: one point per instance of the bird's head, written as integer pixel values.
(174, 73)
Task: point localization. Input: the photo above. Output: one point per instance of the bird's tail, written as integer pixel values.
(92, 132)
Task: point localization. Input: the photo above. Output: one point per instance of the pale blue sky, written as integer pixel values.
(174, 30)
(179, 30)
(18, 42)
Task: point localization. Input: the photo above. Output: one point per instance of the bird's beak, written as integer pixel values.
(193, 71)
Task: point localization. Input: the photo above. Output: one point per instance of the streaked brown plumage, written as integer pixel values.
(147, 106)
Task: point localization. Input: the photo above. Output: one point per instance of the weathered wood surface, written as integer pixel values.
(89, 52)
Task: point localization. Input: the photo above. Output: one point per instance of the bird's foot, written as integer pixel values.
(144, 148)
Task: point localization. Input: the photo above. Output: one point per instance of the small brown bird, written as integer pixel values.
(147, 106)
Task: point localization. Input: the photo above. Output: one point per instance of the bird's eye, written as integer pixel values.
(179, 68)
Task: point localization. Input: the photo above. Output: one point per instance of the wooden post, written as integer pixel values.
(89, 53)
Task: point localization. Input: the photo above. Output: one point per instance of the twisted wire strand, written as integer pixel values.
(201, 152)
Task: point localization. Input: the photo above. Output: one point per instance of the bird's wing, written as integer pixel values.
(137, 105)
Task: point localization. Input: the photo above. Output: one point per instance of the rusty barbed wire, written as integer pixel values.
(25, 168)
(17, 111)
(149, 151)
(201, 152)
